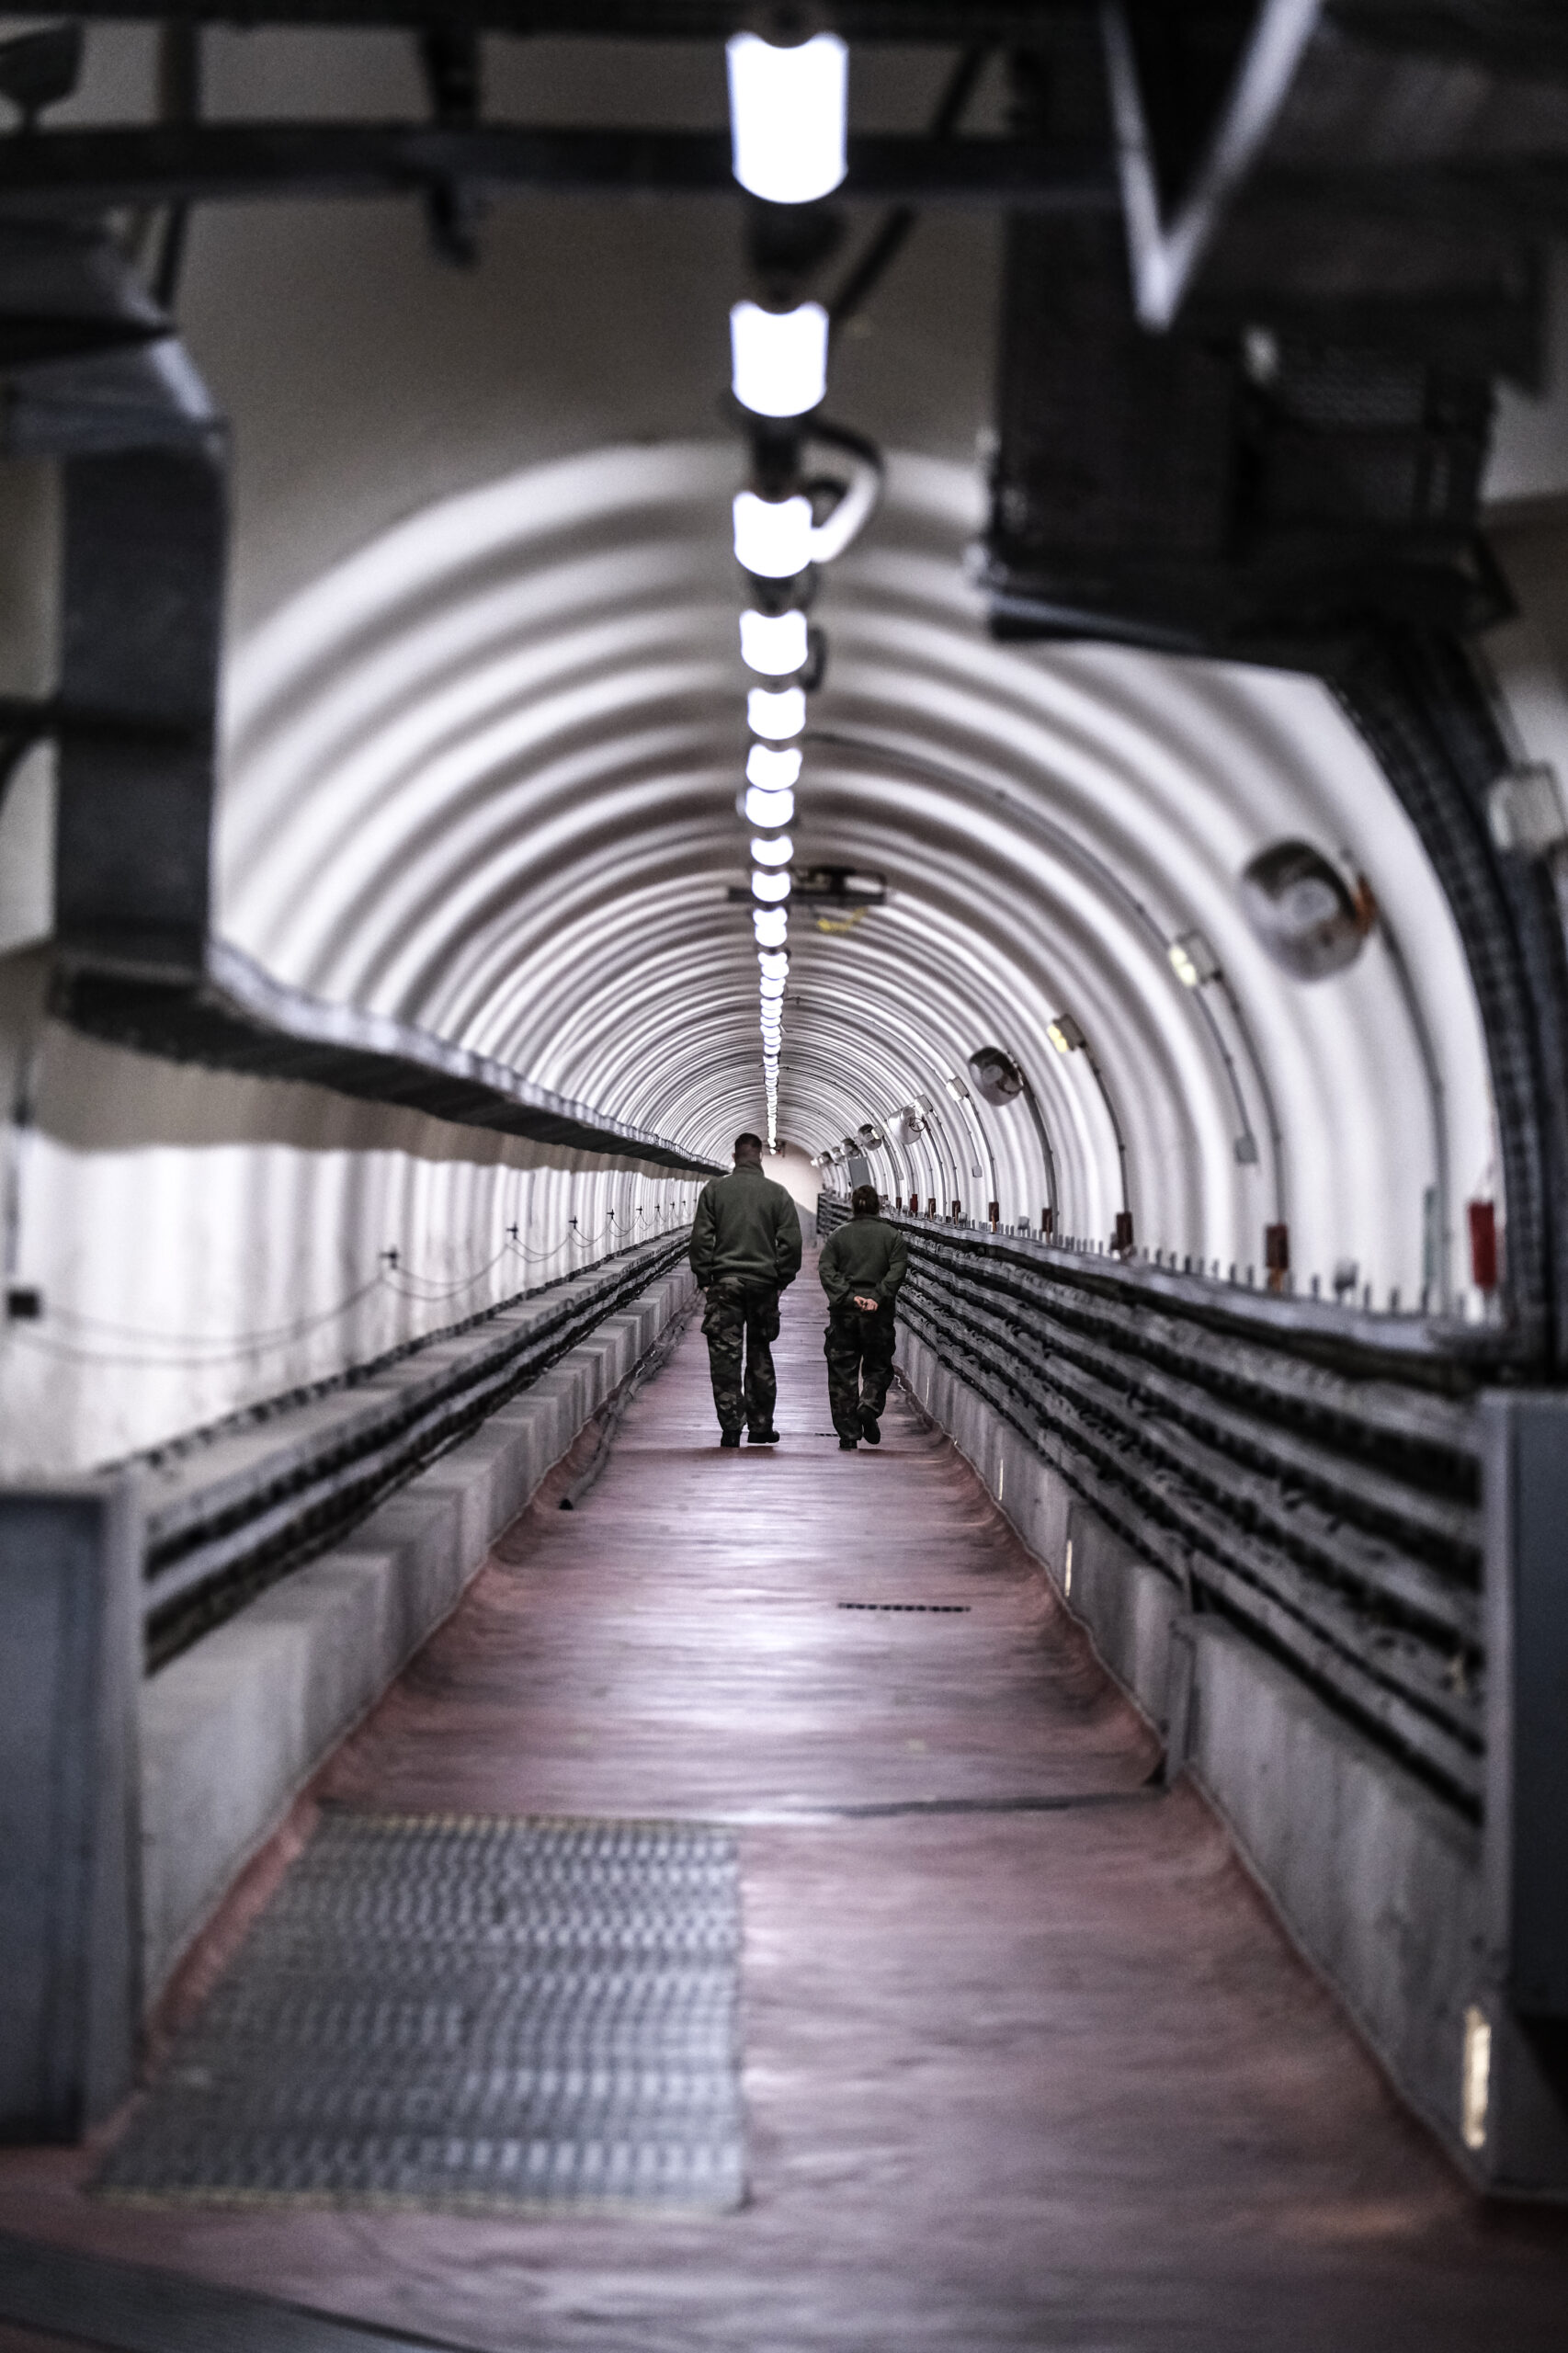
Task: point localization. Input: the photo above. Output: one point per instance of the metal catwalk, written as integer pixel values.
(1027, 2061)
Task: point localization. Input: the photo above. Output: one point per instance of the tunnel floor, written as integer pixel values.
(1026, 2060)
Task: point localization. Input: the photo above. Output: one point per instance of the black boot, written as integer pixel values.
(848, 1446)
(870, 1430)
(728, 1437)
(769, 1436)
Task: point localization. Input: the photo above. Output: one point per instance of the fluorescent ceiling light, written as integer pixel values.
(775, 714)
(773, 964)
(771, 925)
(774, 644)
(778, 358)
(773, 535)
(769, 989)
(787, 111)
(769, 888)
(764, 808)
(775, 852)
(775, 772)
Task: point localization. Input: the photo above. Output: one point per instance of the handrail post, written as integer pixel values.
(70, 1802)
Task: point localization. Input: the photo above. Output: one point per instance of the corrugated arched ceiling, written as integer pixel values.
(482, 776)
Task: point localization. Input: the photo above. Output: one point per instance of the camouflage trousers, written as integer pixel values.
(859, 1348)
(741, 1322)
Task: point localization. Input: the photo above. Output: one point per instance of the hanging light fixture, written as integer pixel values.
(775, 714)
(764, 808)
(778, 358)
(774, 644)
(775, 772)
(773, 535)
(789, 109)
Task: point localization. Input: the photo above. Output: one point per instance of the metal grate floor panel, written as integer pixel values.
(457, 2010)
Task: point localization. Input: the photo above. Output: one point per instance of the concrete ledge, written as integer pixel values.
(1376, 1882)
(233, 1728)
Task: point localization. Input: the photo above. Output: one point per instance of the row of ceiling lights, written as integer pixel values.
(787, 111)
(787, 114)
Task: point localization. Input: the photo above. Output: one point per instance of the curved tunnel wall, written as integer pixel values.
(481, 775)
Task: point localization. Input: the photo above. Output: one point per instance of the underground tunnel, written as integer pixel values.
(972, 593)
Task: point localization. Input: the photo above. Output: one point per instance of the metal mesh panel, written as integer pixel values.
(466, 2011)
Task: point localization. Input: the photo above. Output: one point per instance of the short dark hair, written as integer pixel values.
(748, 1142)
(865, 1200)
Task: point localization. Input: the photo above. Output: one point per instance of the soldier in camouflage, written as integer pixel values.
(746, 1249)
(862, 1266)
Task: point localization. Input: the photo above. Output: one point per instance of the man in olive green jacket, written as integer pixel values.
(861, 1266)
(746, 1249)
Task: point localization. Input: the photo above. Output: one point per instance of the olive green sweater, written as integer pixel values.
(745, 1227)
(867, 1256)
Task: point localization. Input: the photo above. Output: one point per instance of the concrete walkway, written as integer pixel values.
(1028, 2062)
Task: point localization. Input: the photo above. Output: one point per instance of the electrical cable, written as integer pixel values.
(194, 1351)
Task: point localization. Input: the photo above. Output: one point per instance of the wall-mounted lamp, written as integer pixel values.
(1303, 913)
(996, 1076)
(957, 1089)
(1193, 960)
(1064, 1034)
(763, 808)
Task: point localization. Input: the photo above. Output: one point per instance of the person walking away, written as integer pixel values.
(861, 1266)
(746, 1249)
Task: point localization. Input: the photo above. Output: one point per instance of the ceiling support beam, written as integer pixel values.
(55, 172)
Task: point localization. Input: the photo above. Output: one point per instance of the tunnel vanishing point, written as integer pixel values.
(982, 591)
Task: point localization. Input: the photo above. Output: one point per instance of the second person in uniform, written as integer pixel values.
(862, 1267)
